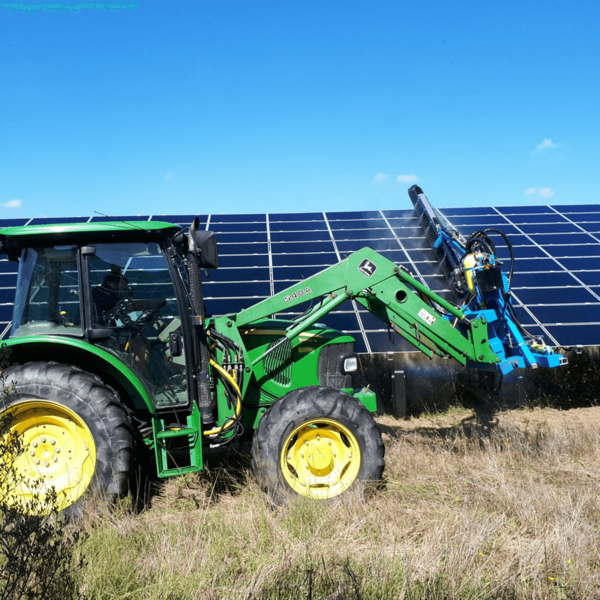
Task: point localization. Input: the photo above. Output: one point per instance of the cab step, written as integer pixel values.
(178, 450)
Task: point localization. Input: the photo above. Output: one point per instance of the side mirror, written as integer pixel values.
(204, 246)
(206, 249)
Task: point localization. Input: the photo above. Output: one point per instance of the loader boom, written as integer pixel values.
(390, 294)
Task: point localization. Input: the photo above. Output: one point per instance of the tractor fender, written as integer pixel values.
(90, 358)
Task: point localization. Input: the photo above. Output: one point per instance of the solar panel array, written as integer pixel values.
(557, 268)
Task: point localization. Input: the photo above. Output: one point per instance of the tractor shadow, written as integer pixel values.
(226, 473)
(480, 425)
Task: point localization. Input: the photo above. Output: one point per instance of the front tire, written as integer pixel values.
(76, 437)
(316, 442)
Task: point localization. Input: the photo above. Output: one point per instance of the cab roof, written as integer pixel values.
(14, 238)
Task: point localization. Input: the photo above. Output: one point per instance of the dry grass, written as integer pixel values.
(503, 506)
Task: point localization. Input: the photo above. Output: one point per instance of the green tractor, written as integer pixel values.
(115, 357)
(116, 363)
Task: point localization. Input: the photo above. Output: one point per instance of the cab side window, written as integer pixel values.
(48, 294)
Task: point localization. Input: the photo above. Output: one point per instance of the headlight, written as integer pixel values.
(350, 364)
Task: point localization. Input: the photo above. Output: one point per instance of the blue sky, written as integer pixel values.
(224, 106)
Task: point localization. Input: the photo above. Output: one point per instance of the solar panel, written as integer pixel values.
(542, 280)
(239, 219)
(585, 217)
(576, 335)
(325, 259)
(239, 229)
(478, 222)
(570, 208)
(277, 217)
(589, 277)
(522, 210)
(245, 260)
(451, 213)
(358, 214)
(14, 222)
(562, 238)
(253, 273)
(557, 268)
(301, 247)
(239, 249)
(348, 246)
(291, 226)
(558, 295)
(524, 315)
(300, 236)
(564, 315)
(591, 227)
(568, 250)
(580, 264)
(355, 224)
(52, 220)
(404, 213)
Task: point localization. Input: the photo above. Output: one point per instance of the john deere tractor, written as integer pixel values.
(115, 361)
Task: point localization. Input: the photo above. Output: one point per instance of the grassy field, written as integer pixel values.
(473, 506)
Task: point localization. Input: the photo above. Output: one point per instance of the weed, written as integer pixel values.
(39, 553)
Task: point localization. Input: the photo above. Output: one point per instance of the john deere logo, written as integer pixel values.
(367, 268)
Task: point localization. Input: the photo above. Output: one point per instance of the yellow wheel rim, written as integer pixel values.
(59, 453)
(320, 459)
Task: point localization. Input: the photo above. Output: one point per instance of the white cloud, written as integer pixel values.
(169, 176)
(13, 203)
(546, 192)
(545, 144)
(407, 179)
(380, 178)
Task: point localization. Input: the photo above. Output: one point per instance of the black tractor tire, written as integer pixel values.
(50, 397)
(315, 421)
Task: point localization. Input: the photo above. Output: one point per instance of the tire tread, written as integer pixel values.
(98, 405)
(312, 401)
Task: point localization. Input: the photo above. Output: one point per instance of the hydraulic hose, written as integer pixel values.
(487, 240)
(238, 408)
(522, 329)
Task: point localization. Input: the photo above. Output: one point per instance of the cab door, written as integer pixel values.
(131, 293)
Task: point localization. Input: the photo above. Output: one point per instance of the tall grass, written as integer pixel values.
(503, 506)
(37, 547)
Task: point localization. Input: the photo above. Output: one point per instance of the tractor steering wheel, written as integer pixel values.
(149, 311)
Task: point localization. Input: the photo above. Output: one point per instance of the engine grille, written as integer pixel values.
(278, 364)
(331, 361)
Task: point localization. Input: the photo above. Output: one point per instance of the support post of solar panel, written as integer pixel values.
(399, 404)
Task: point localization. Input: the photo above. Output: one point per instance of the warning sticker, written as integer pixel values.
(427, 317)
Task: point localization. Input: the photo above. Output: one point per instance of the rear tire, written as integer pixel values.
(316, 442)
(76, 435)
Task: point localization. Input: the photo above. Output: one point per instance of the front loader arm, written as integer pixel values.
(392, 295)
